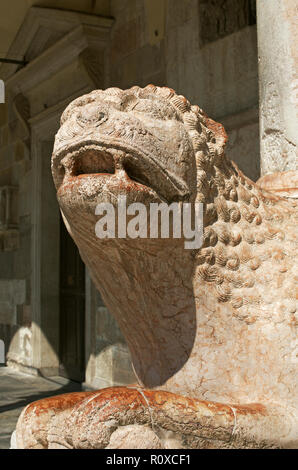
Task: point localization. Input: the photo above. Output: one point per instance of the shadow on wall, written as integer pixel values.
(109, 357)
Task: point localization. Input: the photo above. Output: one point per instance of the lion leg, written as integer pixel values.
(134, 418)
(33, 423)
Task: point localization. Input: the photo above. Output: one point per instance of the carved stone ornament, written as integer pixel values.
(213, 331)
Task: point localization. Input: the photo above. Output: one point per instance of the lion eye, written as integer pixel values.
(91, 115)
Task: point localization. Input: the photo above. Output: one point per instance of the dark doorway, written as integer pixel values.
(72, 309)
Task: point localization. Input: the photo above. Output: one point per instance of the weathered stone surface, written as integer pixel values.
(278, 84)
(230, 306)
(284, 183)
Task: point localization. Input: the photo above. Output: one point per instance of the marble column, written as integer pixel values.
(277, 23)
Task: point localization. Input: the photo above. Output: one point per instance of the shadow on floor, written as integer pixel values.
(24, 401)
(17, 390)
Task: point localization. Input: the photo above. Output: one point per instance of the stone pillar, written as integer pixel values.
(278, 84)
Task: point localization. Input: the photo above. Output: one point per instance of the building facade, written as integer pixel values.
(242, 74)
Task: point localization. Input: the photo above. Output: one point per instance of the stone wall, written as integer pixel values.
(219, 18)
(60, 47)
(221, 75)
(15, 244)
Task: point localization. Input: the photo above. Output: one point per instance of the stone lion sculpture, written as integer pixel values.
(212, 331)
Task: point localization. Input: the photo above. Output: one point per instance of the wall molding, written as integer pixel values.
(44, 26)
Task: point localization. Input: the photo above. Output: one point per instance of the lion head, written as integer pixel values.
(148, 142)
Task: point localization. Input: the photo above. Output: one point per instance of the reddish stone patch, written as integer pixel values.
(57, 403)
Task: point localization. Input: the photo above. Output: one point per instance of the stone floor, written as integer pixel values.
(18, 389)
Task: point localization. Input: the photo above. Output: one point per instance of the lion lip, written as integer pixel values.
(106, 158)
(97, 161)
(89, 160)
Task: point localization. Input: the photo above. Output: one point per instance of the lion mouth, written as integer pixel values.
(102, 160)
(88, 160)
